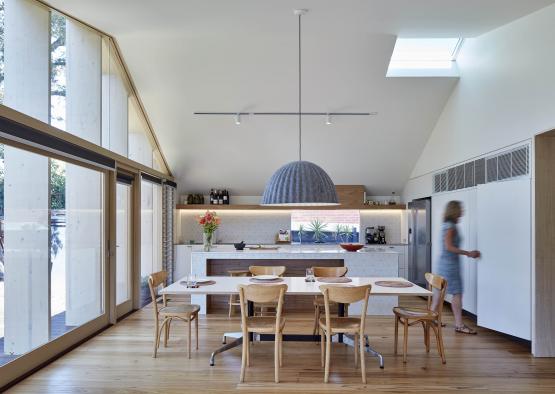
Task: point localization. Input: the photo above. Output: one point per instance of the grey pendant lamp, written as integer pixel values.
(300, 183)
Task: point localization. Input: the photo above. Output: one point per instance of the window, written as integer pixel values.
(51, 254)
(326, 226)
(424, 57)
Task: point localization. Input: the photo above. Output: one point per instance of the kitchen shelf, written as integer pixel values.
(267, 208)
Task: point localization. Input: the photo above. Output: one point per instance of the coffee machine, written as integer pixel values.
(375, 236)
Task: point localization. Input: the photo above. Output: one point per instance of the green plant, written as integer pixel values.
(301, 232)
(318, 227)
(345, 232)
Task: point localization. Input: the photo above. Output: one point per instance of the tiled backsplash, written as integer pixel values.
(262, 226)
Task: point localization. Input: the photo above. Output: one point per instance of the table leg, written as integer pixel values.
(349, 341)
(237, 342)
(340, 313)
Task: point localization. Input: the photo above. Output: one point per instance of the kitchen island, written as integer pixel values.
(369, 262)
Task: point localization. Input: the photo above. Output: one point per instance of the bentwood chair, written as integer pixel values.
(262, 325)
(330, 326)
(425, 316)
(233, 298)
(270, 307)
(184, 312)
(324, 272)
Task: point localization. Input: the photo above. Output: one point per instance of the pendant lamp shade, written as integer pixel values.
(300, 183)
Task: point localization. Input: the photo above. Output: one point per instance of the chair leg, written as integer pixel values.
(322, 347)
(158, 335)
(230, 312)
(396, 334)
(155, 338)
(356, 349)
(276, 357)
(280, 349)
(316, 319)
(362, 359)
(244, 357)
(248, 351)
(328, 353)
(189, 337)
(439, 340)
(405, 339)
(196, 330)
(167, 332)
(426, 327)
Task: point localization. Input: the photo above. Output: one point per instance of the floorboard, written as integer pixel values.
(119, 360)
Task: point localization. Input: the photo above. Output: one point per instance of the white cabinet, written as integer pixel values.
(467, 232)
(403, 258)
(504, 271)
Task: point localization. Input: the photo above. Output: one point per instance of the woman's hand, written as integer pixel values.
(474, 254)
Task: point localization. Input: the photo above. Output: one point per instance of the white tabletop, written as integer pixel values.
(296, 286)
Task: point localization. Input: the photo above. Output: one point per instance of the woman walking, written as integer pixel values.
(449, 262)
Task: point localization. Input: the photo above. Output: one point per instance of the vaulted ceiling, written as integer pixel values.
(224, 55)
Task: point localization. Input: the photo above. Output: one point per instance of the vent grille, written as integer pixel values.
(480, 171)
(469, 174)
(451, 179)
(519, 163)
(506, 165)
(491, 169)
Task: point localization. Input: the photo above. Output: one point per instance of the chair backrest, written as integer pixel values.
(346, 294)
(438, 285)
(329, 272)
(154, 280)
(261, 293)
(267, 270)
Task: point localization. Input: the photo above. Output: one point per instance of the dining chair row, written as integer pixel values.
(328, 325)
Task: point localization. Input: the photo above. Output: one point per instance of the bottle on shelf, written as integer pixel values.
(392, 200)
(211, 196)
(220, 197)
(226, 197)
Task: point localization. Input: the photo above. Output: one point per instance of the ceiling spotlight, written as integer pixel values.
(328, 119)
(237, 119)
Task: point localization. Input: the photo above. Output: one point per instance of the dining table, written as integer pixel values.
(296, 286)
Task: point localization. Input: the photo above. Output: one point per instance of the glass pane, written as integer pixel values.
(328, 226)
(58, 62)
(151, 235)
(140, 147)
(123, 243)
(77, 294)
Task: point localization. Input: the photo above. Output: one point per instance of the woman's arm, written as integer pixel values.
(449, 246)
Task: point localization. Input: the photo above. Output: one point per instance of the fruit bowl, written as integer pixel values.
(351, 247)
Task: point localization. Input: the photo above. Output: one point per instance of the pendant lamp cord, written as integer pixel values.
(300, 116)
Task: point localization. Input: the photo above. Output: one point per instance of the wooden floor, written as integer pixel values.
(119, 360)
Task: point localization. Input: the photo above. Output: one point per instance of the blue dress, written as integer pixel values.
(449, 262)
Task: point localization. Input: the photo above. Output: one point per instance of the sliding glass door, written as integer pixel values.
(124, 248)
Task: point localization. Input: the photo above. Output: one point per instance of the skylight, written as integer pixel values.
(424, 57)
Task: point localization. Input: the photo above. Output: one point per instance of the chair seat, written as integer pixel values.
(264, 324)
(342, 324)
(185, 309)
(319, 301)
(415, 313)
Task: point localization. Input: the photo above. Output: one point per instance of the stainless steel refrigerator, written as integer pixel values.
(419, 239)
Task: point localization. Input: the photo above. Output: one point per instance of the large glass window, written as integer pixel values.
(326, 226)
(51, 249)
(151, 235)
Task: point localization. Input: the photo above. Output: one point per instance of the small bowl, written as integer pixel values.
(351, 247)
(239, 246)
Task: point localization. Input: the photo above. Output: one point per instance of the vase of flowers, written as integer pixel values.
(209, 222)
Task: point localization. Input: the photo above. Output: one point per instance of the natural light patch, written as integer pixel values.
(425, 57)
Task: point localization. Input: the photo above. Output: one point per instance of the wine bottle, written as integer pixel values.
(211, 196)
(226, 197)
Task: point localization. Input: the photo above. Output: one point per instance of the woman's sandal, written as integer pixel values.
(464, 329)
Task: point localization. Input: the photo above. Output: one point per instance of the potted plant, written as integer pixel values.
(301, 233)
(318, 230)
(209, 222)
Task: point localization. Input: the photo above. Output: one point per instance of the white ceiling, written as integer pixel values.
(224, 55)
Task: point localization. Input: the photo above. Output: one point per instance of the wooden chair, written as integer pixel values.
(325, 272)
(183, 312)
(262, 325)
(234, 299)
(266, 308)
(425, 316)
(343, 325)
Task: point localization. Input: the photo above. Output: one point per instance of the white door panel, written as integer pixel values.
(504, 271)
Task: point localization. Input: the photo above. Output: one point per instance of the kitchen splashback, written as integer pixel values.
(262, 226)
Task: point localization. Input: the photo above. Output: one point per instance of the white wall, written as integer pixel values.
(505, 95)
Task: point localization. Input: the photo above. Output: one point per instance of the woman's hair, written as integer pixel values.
(453, 211)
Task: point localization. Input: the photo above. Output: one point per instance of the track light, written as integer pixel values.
(328, 119)
(237, 119)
